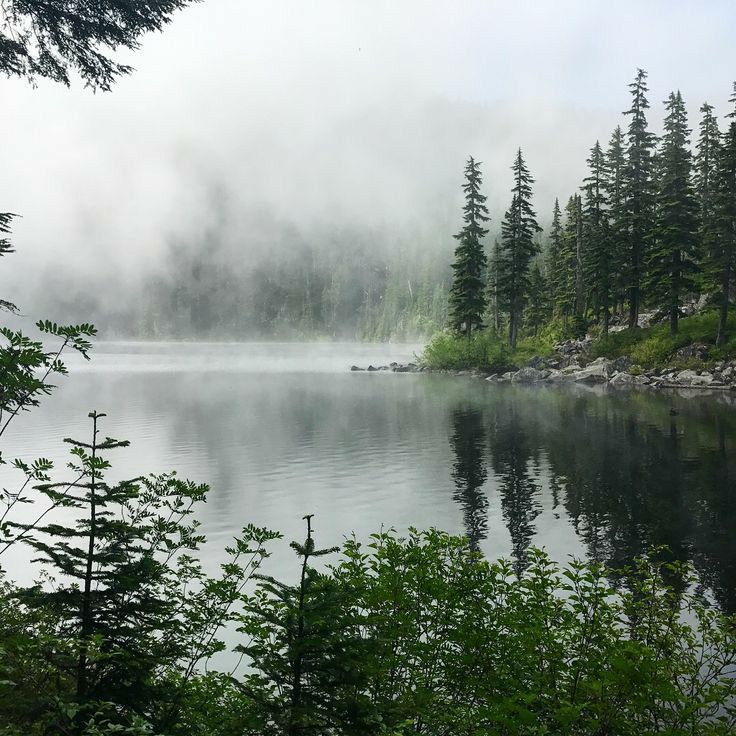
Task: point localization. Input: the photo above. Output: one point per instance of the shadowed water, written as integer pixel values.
(279, 431)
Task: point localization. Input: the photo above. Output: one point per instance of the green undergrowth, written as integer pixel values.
(485, 351)
(647, 348)
(654, 347)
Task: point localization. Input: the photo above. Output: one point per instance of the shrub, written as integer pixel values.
(448, 351)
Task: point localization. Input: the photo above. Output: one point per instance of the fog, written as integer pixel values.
(249, 127)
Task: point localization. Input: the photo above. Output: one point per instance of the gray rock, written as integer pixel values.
(356, 368)
(372, 368)
(696, 350)
(597, 372)
(621, 364)
(623, 380)
(527, 375)
(704, 379)
(685, 376)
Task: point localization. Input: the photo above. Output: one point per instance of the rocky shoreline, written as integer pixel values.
(570, 364)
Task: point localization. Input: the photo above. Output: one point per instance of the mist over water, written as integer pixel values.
(279, 431)
(257, 135)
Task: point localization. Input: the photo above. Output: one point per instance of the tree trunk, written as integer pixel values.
(723, 318)
(633, 306)
(579, 285)
(87, 596)
(512, 330)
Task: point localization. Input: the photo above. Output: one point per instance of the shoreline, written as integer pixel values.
(601, 372)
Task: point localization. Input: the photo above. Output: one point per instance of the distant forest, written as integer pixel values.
(346, 286)
(652, 226)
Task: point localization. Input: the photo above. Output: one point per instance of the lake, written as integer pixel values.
(283, 430)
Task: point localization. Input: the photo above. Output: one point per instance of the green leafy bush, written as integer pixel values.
(654, 347)
(484, 351)
(448, 351)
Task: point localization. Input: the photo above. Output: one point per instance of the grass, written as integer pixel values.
(485, 351)
(653, 347)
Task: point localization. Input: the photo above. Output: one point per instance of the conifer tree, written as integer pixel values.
(567, 262)
(304, 643)
(518, 247)
(706, 180)
(553, 268)
(724, 256)
(598, 257)
(617, 214)
(467, 298)
(639, 192)
(672, 257)
(538, 308)
(5, 248)
(493, 297)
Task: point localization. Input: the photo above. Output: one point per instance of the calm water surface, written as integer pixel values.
(282, 430)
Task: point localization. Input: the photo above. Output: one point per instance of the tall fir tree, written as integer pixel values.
(566, 268)
(598, 256)
(538, 307)
(639, 188)
(672, 256)
(617, 214)
(493, 301)
(553, 265)
(724, 256)
(467, 298)
(518, 248)
(706, 180)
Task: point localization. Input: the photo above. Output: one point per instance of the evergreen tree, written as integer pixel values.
(518, 248)
(467, 298)
(553, 268)
(493, 297)
(671, 260)
(706, 181)
(306, 650)
(538, 308)
(598, 257)
(724, 256)
(567, 261)
(5, 248)
(639, 192)
(617, 214)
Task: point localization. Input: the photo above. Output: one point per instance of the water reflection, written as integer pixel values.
(469, 472)
(603, 475)
(630, 473)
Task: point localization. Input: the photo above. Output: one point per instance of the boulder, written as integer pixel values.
(621, 364)
(527, 375)
(691, 378)
(623, 380)
(704, 379)
(597, 372)
(696, 350)
(372, 368)
(356, 368)
(686, 377)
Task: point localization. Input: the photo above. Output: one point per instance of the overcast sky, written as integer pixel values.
(349, 113)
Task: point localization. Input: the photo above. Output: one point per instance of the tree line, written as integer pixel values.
(654, 222)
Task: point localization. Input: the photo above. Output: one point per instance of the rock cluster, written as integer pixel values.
(392, 367)
(571, 364)
(616, 373)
